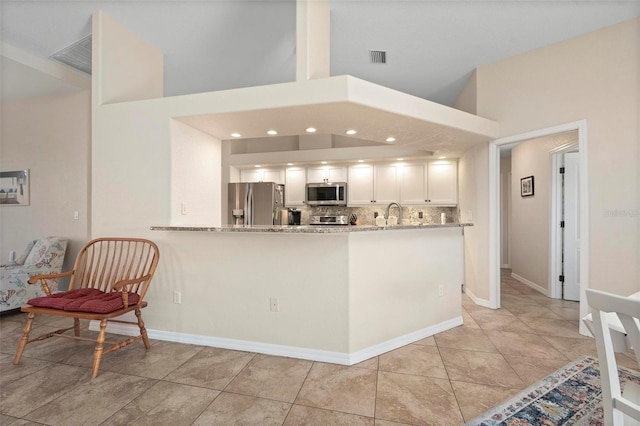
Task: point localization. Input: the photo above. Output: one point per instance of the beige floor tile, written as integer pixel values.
(112, 391)
(24, 395)
(7, 420)
(427, 341)
(475, 399)
(490, 321)
(371, 364)
(334, 387)
(271, 377)
(567, 313)
(165, 403)
(414, 359)
(554, 327)
(300, 415)
(465, 338)
(211, 368)
(381, 422)
(468, 320)
(524, 344)
(511, 302)
(54, 349)
(533, 311)
(572, 348)
(480, 367)
(232, 409)
(532, 370)
(158, 361)
(10, 372)
(416, 400)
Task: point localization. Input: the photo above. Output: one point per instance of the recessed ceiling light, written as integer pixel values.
(352, 132)
(400, 159)
(236, 135)
(257, 165)
(391, 139)
(289, 164)
(310, 129)
(442, 157)
(360, 161)
(272, 132)
(323, 162)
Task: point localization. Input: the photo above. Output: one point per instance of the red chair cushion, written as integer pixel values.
(85, 300)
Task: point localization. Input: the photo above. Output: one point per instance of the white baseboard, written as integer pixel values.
(480, 302)
(282, 350)
(530, 284)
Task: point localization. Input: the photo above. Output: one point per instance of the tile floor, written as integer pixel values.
(446, 379)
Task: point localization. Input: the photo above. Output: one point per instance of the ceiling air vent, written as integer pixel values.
(378, 56)
(77, 55)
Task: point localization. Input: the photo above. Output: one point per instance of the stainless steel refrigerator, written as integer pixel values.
(259, 203)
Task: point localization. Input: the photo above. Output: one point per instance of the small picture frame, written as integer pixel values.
(526, 186)
(14, 188)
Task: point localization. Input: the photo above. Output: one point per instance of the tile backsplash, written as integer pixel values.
(365, 215)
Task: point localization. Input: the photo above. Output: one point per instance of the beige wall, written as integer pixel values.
(592, 77)
(51, 137)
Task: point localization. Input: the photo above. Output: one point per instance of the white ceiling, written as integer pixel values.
(209, 45)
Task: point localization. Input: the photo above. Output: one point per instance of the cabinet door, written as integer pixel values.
(273, 175)
(294, 187)
(337, 174)
(251, 175)
(316, 174)
(413, 186)
(385, 184)
(360, 185)
(442, 178)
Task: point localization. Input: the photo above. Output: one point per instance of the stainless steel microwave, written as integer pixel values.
(326, 194)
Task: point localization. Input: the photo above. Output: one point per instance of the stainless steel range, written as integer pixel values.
(329, 220)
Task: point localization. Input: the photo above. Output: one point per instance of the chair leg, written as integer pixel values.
(76, 327)
(25, 337)
(143, 331)
(97, 354)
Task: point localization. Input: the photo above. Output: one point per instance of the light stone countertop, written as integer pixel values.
(305, 229)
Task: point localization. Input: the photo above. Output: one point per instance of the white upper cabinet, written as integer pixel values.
(385, 184)
(262, 175)
(294, 187)
(433, 183)
(360, 186)
(326, 174)
(413, 187)
(442, 178)
(373, 184)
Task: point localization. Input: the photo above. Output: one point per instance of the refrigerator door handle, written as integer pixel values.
(248, 214)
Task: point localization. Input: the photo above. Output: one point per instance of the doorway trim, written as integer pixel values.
(494, 208)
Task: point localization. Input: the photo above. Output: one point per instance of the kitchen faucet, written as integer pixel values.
(386, 215)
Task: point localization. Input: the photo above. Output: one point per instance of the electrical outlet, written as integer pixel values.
(420, 215)
(274, 304)
(177, 297)
(183, 209)
(76, 215)
(440, 290)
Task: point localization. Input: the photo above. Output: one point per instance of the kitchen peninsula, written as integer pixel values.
(339, 294)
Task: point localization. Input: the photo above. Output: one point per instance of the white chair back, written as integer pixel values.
(619, 409)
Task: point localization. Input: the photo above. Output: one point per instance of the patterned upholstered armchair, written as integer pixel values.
(43, 256)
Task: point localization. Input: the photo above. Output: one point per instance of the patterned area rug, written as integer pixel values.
(570, 396)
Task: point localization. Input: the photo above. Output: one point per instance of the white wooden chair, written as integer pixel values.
(619, 409)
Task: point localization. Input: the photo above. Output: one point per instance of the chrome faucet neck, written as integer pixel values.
(386, 214)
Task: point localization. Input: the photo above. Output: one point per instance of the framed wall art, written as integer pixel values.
(526, 186)
(14, 188)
